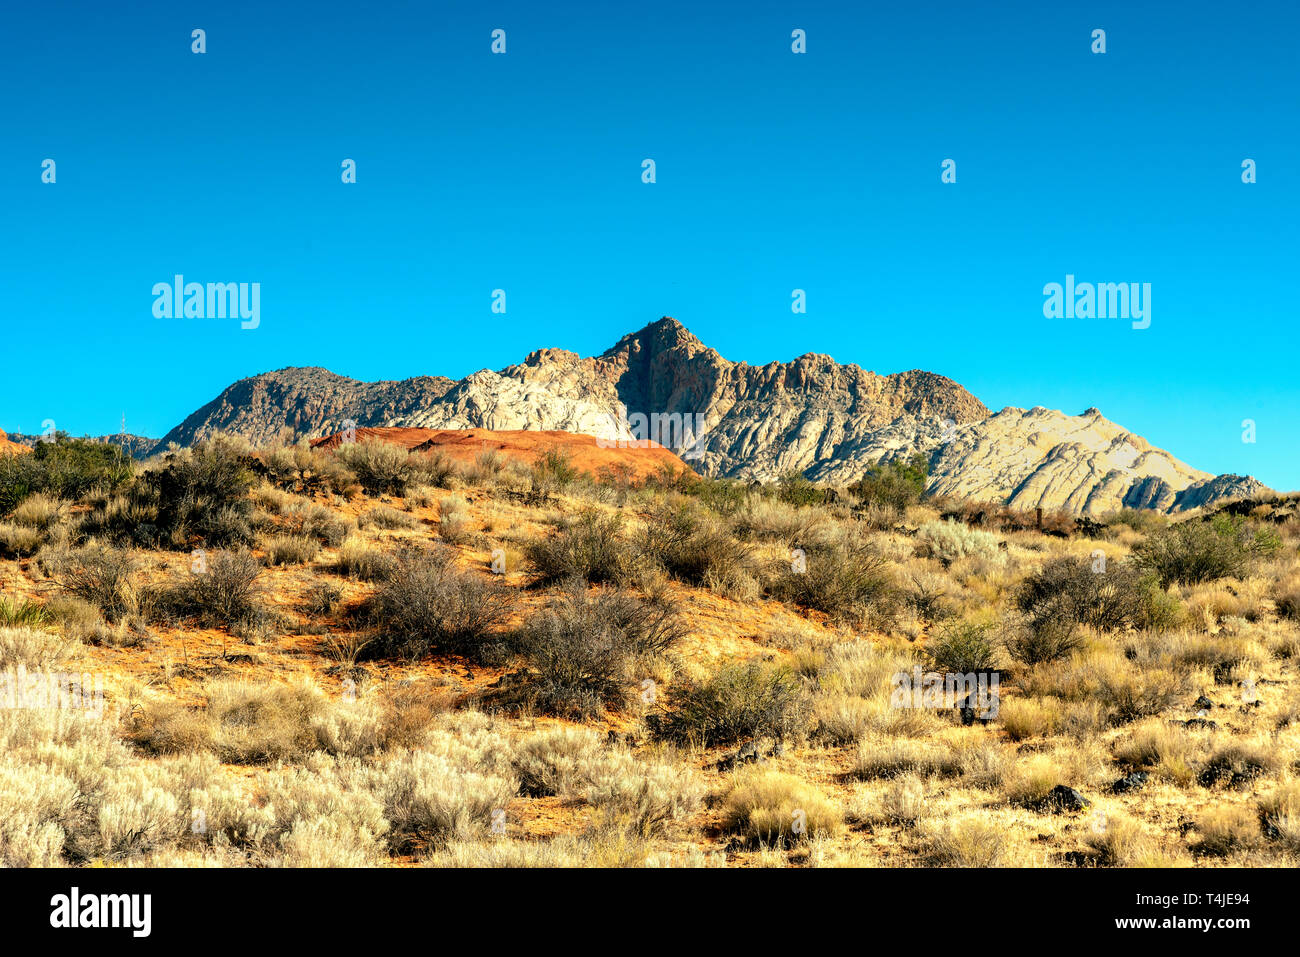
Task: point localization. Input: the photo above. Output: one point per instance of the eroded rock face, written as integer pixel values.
(1084, 464)
(812, 415)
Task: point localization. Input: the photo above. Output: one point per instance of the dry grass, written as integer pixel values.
(350, 737)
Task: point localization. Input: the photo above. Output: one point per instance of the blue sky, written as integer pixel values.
(775, 171)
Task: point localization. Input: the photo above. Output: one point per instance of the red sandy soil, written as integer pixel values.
(11, 448)
(643, 457)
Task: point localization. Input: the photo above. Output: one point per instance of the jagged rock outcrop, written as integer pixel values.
(811, 415)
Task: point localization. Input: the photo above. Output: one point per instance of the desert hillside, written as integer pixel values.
(418, 649)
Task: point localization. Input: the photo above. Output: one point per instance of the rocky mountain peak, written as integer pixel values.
(810, 415)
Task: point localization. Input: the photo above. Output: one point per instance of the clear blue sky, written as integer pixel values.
(775, 171)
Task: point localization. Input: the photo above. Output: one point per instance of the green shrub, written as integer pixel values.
(552, 471)
(21, 612)
(739, 703)
(895, 485)
(199, 497)
(794, 489)
(1197, 551)
(64, 468)
(961, 648)
(1107, 596)
(590, 547)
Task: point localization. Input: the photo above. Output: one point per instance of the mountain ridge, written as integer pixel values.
(811, 414)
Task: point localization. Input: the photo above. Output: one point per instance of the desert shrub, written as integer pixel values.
(1237, 763)
(200, 494)
(843, 578)
(1144, 520)
(103, 576)
(20, 541)
(951, 540)
(381, 467)
(903, 802)
(589, 547)
(431, 799)
(695, 546)
(419, 496)
(895, 485)
(1223, 830)
(314, 521)
(1070, 590)
(1129, 692)
(581, 648)
(555, 761)
(1043, 639)
(64, 468)
(1197, 551)
(385, 516)
(291, 549)
(322, 598)
(1279, 813)
(1286, 598)
(739, 703)
(645, 792)
(301, 468)
(968, 841)
(486, 468)
(641, 791)
(1120, 841)
(768, 519)
(1158, 746)
(767, 806)
(437, 469)
(962, 647)
(247, 723)
(356, 559)
(226, 592)
(1024, 718)
(428, 606)
(892, 757)
(453, 519)
(794, 489)
(552, 471)
(723, 496)
(38, 511)
(33, 649)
